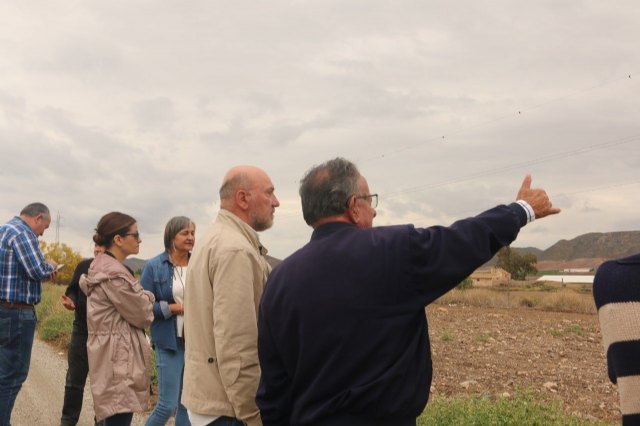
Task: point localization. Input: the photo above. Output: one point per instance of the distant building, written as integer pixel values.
(488, 277)
(568, 279)
(577, 270)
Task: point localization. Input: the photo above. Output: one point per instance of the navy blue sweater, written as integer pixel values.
(342, 327)
(616, 290)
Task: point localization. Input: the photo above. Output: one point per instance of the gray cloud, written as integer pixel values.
(102, 110)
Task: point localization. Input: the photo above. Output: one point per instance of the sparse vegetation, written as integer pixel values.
(550, 298)
(54, 321)
(446, 337)
(521, 409)
(484, 338)
(573, 328)
(555, 332)
(467, 283)
(529, 302)
(539, 286)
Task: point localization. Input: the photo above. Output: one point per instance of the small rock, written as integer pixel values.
(468, 383)
(551, 386)
(506, 395)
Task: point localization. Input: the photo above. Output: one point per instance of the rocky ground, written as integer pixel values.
(496, 352)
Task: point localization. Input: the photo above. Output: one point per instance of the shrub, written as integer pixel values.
(529, 302)
(465, 284)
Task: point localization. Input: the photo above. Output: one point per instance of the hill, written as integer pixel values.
(584, 251)
(134, 263)
(608, 245)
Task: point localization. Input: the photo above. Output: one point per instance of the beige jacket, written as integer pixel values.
(227, 272)
(118, 310)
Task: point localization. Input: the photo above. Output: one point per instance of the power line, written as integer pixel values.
(475, 211)
(515, 166)
(298, 215)
(499, 118)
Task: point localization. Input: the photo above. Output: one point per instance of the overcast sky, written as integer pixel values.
(142, 106)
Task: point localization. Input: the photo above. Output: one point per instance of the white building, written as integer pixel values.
(568, 279)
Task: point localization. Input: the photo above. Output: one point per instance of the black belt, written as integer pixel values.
(15, 305)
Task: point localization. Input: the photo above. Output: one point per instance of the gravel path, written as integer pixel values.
(40, 400)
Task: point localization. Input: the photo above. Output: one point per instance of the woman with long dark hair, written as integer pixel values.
(118, 311)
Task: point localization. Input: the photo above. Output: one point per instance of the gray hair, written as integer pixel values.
(230, 186)
(325, 189)
(35, 209)
(175, 225)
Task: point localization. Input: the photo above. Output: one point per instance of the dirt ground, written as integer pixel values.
(495, 352)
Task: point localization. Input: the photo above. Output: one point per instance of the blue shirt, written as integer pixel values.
(22, 265)
(157, 277)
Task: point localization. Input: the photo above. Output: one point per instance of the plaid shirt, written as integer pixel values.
(22, 264)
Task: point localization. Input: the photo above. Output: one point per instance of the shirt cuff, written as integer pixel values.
(164, 307)
(531, 215)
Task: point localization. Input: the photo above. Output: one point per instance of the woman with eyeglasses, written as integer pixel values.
(165, 276)
(118, 311)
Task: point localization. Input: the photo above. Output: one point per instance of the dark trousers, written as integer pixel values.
(76, 378)
(226, 421)
(121, 419)
(351, 420)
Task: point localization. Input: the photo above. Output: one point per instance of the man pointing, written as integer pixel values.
(342, 334)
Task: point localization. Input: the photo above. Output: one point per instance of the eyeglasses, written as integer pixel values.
(374, 199)
(135, 235)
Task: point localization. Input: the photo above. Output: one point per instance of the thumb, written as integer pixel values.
(526, 183)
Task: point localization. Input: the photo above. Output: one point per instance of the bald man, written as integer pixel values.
(227, 272)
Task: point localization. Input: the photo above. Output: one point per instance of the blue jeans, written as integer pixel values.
(170, 366)
(17, 327)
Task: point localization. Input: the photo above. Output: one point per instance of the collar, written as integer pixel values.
(108, 253)
(234, 221)
(20, 223)
(164, 257)
(329, 228)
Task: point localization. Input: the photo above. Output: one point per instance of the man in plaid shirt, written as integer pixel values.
(22, 267)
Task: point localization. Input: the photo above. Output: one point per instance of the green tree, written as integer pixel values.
(519, 266)
(63, 254)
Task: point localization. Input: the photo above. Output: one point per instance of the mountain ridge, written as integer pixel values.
(605, 245)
